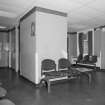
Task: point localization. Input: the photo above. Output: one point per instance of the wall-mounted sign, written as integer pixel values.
(33, 29)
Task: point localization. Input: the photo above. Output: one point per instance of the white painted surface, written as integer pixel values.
(13, 49)
(77, 44)
(17, 49)
(82, 14)
(103, 49)
(97, 46)
(51, 38)
(27, 49)
(97, 42)
(50, 41)
(9, 33)
(4, 55)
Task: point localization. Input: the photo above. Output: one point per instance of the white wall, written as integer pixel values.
(97, 46)
(4, 55)
(97, 42)
(13, 49)
(50, 41)
(103, 49)
(27, 49)
(51, 38)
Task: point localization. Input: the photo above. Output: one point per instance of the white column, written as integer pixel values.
(17, 48)
(9, 49)
(93, 42)
(77, 44)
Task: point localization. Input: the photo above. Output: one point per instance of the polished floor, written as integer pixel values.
(72, 92)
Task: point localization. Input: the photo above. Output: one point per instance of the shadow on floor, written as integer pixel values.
(72, 92)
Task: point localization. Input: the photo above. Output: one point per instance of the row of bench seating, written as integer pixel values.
(50, 73)
(87, 60)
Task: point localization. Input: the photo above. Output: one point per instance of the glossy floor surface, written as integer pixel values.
(72, 92)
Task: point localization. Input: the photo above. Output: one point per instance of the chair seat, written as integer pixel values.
(52, 73)
(56, 74)
(65, 72)
(82, 70)
(75, 70)
(3, 92)
(6, 102)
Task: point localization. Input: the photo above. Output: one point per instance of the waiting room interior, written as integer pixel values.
(40, 30)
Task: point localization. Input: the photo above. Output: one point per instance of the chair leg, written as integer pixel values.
(41, 83)
(79, 76)
(89, 75)
(48, 86)
(47, 82)
(90, 78)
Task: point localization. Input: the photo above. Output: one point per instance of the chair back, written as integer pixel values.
(80, 57)
(48, 65)
(93, 59)
(63, 63)
(86, 58)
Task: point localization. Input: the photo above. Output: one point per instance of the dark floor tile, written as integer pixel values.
(72, 92)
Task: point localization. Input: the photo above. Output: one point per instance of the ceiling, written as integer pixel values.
(82, 14)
